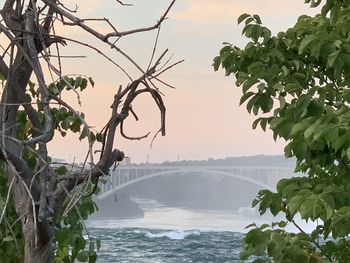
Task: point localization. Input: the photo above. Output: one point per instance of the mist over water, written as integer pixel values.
(158, 216)
(167, 234)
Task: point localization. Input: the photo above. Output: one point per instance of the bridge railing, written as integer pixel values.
(266, 176)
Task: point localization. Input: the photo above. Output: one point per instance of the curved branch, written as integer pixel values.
(131, 138)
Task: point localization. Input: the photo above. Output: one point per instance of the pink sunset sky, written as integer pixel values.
(203, 117)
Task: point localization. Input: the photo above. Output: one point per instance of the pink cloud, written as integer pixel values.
(224, 10)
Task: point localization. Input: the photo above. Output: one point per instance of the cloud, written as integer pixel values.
(214, 11)
(85, 6)
(208, 10)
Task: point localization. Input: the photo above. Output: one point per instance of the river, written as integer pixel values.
(168, 234)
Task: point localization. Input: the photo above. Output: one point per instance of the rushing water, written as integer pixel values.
(146, 245)
(171, 235)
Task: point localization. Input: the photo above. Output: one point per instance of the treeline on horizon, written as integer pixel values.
(256, 160)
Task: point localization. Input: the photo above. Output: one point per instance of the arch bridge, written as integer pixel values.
(263, 176)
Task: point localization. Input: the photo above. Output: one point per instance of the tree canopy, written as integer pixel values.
(297, 84)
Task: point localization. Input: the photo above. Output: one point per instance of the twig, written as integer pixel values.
(138, 30)
(100, 52)
(154, 48)
(302, 231)
(167, 68)
(120, 2)
(166, 84)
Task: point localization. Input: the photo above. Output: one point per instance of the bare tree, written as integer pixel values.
(40, 192)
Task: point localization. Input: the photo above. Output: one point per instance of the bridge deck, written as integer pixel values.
(265, 176)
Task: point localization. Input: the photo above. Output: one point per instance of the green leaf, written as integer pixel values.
(308, 208)
(252, 102)
(332, 58)
(260, 260)
(257, 19)
(83, 256)
(248, 84)
(282, 224)
(79, 242)
(92, 83)
(62, 170)
(290, 190)
(242, 17)
(285, 71)
(84, 133)
(245, 97)
(92, 257)
(250, 225)
(311, 130)
(329, 210)
(343, 140)
(293, 87)
(315, 3)
(75, 125)
(315, 108)
(296, 64)
(298, 127)
(266, 102)
(83, 84)
(282, 184)
(99, 137)
(216, 63)
(255, 123)
(78, 82)
(275, 206)
(255, 202)
(7, 239)
(2, 77)
(263, 123)
(305, 42)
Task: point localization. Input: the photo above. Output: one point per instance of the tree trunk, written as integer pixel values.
(41, 254)
(37, 250)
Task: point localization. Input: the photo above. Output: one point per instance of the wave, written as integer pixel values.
(173, 235)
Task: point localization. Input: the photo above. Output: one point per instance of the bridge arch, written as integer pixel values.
(189, 170)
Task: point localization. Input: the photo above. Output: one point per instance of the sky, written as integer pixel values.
(203, 117)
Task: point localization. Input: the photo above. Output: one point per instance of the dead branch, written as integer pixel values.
(99, 52)
(105, 38)
(138, 30)
(131, 138)
(120, 2)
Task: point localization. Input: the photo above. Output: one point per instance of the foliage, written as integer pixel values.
(70, 244)
(12, 240)
(298, 84)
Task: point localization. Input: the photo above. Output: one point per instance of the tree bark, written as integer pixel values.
(38, 237)
(41, 253)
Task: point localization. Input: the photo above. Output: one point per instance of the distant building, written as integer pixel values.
(57, 160)
(126, 161)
